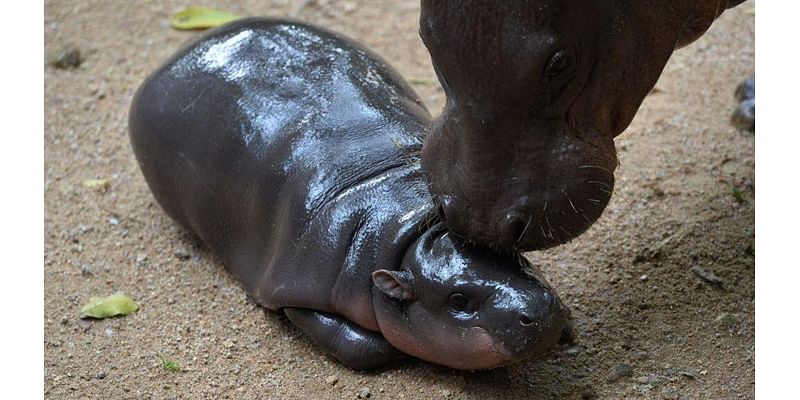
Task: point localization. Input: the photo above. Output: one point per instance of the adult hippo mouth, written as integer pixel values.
(522, 156)
(549, 191)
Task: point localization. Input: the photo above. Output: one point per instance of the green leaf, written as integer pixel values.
(737, 194)
(104, 307)
(201, 18)
(170, 365)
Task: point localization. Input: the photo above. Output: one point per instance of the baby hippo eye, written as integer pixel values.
(459, 303)
(558, 63)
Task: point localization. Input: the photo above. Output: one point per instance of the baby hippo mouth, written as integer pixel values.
(510, 336)
(530, 331)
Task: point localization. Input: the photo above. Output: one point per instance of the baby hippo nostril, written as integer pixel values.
(525, 320)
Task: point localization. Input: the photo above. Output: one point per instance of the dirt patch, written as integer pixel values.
(651, 322)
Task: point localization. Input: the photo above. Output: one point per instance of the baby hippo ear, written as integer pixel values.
(396, 284)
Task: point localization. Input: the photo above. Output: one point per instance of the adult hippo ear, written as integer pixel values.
(396, 284)
(700, 16)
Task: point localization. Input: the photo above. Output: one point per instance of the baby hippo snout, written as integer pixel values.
(531, 324)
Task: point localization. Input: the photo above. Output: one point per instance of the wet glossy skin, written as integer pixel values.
(522, 157)
(494, 313)
(293, 154)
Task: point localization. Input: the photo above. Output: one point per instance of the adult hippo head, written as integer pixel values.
(523, 154)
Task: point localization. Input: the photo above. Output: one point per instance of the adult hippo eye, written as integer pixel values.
(460, 303)
(558, 63)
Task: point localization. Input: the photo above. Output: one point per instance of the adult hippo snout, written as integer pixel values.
(522, 156)
(551, 189)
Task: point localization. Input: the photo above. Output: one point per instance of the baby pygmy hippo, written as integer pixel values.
(292, 152)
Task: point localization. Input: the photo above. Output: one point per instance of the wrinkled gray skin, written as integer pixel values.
(293, 153)
(522, 156)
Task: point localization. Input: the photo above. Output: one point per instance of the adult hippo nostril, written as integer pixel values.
(515, 225)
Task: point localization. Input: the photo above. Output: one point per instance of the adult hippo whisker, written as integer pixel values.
(597, 167)
(570, 201)
(600, 183)
(549, 227)
(525, 229)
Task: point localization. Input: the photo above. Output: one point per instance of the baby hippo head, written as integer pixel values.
(465, 307)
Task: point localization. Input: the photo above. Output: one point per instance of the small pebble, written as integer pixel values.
(101, 375)
(182, 255)
(708, 277)
(643, 277)
(670, 393)
(620, 371)
(364, 393)
(332, 380)
(69, 57)
(727, 321)
(85, 324)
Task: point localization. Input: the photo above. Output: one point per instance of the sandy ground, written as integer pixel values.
(649, 327)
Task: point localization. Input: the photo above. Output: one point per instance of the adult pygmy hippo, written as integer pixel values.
(293, 153)
(523, 154)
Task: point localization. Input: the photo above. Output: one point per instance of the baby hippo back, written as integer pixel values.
(249, 132)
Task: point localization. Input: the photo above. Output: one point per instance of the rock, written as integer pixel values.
(101, 375)
(620, 371)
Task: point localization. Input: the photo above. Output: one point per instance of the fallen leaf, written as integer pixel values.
(201, 18)
(97, 184)
(737, 194)
(104, 307)
(422, 81)
(170, 365)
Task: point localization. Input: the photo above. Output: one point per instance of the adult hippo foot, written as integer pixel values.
(744, 117)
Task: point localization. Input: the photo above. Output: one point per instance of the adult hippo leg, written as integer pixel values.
(356, 347)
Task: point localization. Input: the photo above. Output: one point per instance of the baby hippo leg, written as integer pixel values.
(356, 347)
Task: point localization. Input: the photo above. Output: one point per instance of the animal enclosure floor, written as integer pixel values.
(661, 288)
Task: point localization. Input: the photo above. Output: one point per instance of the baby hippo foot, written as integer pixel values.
(744, 117)
(356, 347)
